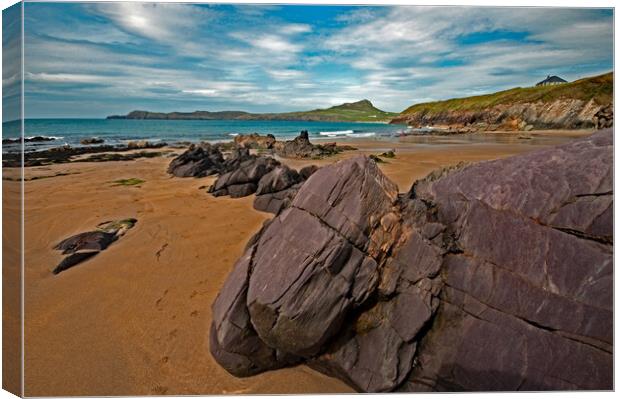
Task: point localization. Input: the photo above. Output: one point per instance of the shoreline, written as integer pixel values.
(336, 138)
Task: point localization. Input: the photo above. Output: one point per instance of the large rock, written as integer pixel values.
(491, 276)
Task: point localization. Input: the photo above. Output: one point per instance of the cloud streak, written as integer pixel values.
(99, 59)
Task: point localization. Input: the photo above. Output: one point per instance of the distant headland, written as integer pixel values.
(360, 111)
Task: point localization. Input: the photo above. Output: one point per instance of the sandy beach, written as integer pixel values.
(134, 319)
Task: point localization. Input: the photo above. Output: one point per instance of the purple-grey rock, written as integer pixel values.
(277, 201)
(242, 180)
(491, 276)
(280, 178)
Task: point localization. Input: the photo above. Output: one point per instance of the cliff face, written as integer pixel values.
(559, 114)
(569, 106)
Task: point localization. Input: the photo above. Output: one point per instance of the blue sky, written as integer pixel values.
(97, 59)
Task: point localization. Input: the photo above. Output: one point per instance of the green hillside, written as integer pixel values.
(360, 111)
(600, 88)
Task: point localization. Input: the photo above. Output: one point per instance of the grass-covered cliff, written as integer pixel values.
(570, 105)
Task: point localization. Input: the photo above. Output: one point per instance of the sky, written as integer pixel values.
(97, 59)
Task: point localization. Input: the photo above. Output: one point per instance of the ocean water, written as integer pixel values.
(119, 131)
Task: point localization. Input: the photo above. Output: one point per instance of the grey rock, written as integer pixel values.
(280, 178)
(243, 178)
(198, 161)
(277, 201)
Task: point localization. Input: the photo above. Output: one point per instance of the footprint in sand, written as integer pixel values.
(159, 301)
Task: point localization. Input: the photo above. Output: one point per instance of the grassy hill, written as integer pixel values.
(600, 88)
(360, 111)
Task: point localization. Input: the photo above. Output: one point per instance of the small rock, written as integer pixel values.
(92, 140)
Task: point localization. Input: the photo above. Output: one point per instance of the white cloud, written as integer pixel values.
(163, 22)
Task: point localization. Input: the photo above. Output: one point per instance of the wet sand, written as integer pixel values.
(134, 319)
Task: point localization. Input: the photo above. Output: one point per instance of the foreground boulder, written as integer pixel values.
(492, 276)
(83, 246)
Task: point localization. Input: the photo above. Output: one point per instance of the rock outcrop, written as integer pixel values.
(205, 159)
(83, 246)
(604, 118)
(35, 139)
(571, 105)
(491, 276)
(66, 154)
(559, 114)
(301, 147)
(255, 140)
(197, 161)
(243, 179)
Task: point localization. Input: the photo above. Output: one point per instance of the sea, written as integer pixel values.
(120, 131)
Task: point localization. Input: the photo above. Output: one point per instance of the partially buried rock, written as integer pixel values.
(489, 276)
(83, 246)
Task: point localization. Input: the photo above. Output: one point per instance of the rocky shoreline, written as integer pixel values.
(66, 154)
(582, 104)
(482, 277)
(560, 114)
